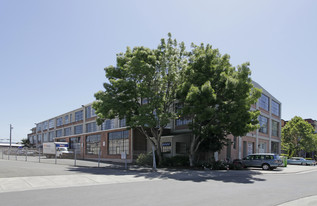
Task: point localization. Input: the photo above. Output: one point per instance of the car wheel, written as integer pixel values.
(265, 167)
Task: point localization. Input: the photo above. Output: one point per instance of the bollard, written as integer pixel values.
(26, 155)
(39, 155)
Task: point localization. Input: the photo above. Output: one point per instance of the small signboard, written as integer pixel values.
(123, 155)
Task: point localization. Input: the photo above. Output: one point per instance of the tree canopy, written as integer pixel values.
(298, 136)
(218, 98)
(142, 88)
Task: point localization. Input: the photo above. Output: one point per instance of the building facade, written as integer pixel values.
(109, 140)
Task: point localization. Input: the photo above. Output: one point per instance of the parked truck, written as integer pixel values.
(60, 149)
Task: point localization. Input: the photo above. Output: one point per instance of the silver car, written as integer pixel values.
(300, 161)
(266, 161)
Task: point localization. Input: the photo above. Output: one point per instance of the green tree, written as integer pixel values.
(217, 97)
(297, 136)
(25, 142)
(142, 88)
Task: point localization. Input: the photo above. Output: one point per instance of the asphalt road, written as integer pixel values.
(99, 186)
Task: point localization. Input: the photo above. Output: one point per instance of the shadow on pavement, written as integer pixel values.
(241, 176)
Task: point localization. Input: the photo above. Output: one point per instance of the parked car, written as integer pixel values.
(300, 161)
(266, 161)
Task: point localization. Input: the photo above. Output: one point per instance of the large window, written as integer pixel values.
(263, 124)
(275, 128)
(51, 123)
(108, 124)
(90, 112)
(45, 137)
(93, 144)
(118, 142)
(78, 129)
(66, 119)
(39, 127)
(74, 143)
(91, 127)
(51, 136)
(123, 123)
(39, 138)
(68, 131)
(45, 125)
(79, 116)
(59, 133)
(275, 108)
(264, 102)
(59, 121)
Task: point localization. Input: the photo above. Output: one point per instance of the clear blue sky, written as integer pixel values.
(52, 53)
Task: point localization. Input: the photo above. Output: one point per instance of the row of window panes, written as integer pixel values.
(264, 126)
(90, 127)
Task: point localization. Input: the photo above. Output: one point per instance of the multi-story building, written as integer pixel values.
(109, 140)
(265, 139)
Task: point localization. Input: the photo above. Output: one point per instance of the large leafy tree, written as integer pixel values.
(142, 88)
(217, 97)
(297, 136)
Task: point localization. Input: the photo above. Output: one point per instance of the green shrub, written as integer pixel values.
(145, 159)
(218, 165)
(176, 161)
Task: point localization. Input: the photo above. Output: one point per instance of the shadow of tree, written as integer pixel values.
(239, 176)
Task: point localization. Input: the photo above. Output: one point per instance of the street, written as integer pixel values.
(29, 184)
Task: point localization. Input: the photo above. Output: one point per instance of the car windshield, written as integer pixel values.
(63, 149)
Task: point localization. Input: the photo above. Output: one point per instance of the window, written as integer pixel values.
(275, 128)
(91, 127)
(181, 148)
(68, 131)
(264, 102)
(123, 122)
(51, 136)
(39, 138)
(275, 147)
(88, 112)
(108, 124)
(59, 133)
(39, 127)
(118, 142)
(74, 143)
(275, 108)
(51, 123)
(45, 137)
(79, 116)
(234, 142)
(45, 125)
(263, 124)
(93, 144)
(181, 121)
(66, 119)
(78, 129)
(59, 121)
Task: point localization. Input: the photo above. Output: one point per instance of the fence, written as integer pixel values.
(36, 155)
